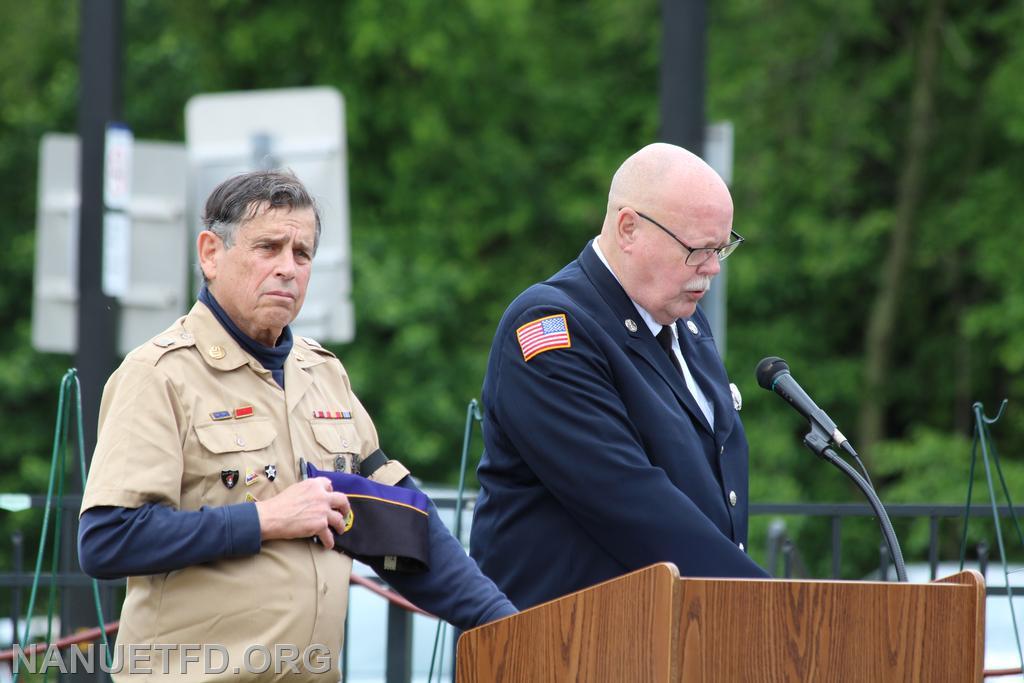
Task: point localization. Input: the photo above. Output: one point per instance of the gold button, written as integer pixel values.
(732, 498)
(217, 352)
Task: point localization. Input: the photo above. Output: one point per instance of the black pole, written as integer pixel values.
(99, 103)
(682, 84)
(18, 550)
(683, 46)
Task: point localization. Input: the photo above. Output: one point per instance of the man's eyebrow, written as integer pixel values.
(269, 237)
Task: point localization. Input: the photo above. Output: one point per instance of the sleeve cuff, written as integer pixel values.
(243, 527)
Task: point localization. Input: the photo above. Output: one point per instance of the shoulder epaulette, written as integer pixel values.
(173, 338)
(314, 345)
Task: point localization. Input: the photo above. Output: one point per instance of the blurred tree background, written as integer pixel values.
(877, 164)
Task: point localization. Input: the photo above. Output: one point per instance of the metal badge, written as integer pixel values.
(271, 472)
(630, 325)
(220, 414)
(692, 326)
(737, 398)
(249, 498)
(229, 477)
(243, 411)
(251, 476)
(217, 352)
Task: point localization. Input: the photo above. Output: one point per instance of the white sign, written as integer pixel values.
(117, 253)
(117, 167)
(298, 129)
(146, 252)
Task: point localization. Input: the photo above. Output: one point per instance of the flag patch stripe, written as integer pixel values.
(544, 334)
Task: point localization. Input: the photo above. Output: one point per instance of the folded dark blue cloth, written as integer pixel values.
(387, 523)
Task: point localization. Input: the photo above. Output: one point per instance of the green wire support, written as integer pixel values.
(473, 415)
(70, 391)
(983, 436)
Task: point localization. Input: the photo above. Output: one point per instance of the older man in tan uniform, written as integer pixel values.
(195, 491)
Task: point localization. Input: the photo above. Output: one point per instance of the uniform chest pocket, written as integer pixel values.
(233, 452)
(339, 443)
(233, 437)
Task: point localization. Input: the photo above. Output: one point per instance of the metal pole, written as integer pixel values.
(683, 82)
(18, 549)
(399, 654)
(99, 103)
(683, 45)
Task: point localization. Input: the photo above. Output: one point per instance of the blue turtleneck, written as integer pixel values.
(270, 357)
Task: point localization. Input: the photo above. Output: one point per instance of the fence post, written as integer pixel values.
(18, 545)
(399, 664)
(837, 547)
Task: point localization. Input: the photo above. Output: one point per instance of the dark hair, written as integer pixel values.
(239, 199)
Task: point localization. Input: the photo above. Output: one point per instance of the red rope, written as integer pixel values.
(83, 636)
(388, 595)
(92, 634)
(1002, 672)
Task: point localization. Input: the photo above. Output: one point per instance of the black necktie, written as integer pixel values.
(665, 340)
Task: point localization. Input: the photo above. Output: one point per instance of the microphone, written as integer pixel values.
(773, 375)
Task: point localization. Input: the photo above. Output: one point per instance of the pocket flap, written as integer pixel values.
(230, 437)
(336, 438)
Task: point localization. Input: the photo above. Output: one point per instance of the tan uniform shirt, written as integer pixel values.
(160, 441)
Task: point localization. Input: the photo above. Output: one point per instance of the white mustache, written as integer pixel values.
(701, 283)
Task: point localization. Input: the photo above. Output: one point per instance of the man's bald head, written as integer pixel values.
(676, 188)
(664, 176)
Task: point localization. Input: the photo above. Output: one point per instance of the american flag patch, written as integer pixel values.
(544, 334)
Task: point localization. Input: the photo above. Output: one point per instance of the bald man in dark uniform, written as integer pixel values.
(613, 439)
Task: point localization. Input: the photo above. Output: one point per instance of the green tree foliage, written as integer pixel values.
(482, 136)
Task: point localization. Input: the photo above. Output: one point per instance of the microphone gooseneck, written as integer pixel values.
(773, 375)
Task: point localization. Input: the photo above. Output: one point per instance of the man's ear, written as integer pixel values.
(208, 246)
(626, 225)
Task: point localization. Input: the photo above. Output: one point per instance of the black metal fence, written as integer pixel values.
(783, 559)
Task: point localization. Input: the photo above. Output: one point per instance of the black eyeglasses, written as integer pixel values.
(696, 257)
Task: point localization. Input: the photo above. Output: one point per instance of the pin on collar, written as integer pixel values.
(737, 397)
(630, 325)
(692, 327)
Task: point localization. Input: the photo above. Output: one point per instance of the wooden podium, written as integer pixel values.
(652, 626)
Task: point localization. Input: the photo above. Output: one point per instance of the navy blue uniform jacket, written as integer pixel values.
(598, 460)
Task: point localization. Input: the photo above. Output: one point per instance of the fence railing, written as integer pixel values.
(782, 550)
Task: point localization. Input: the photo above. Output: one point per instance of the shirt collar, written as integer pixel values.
(653, 325)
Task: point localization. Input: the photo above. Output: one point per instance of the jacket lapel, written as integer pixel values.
(639, 339)
(696, 349)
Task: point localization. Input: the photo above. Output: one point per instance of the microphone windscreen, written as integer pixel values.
(769, 369)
